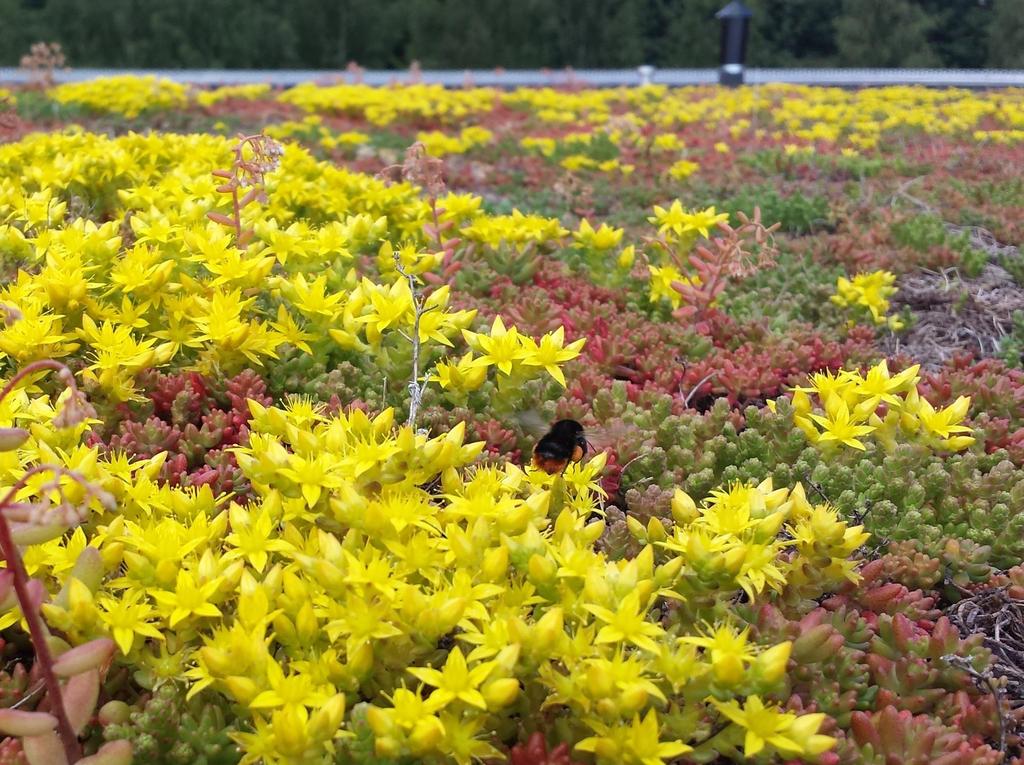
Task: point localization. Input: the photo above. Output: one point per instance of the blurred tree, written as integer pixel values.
(959, 30)
(524, 34)
(1006, 34)
(682, 35)
(792, 33)
(884, 33)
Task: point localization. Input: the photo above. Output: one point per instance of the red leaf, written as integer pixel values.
(221, 218)
(250, 195)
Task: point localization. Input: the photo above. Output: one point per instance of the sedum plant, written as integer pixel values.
(867, 295)
(694, 266)
(840, 409)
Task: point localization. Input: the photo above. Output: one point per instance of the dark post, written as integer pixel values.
(735, 18)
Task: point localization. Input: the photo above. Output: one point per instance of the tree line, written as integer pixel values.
(328, 34)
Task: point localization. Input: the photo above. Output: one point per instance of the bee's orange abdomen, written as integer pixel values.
(549, 465)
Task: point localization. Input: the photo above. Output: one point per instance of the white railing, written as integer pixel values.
(957, 78)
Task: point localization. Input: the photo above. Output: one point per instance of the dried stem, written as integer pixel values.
(246, 174)
(416, 387)
(693, 391)
(985, 679)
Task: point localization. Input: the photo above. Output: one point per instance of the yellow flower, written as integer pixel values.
(253, 536)
(839, 426)
(501, 348)
(455, 681)
(944, 422)
(764, 725)
(463, 375)
(637, 744)
(729, 653)
(551, 352)
(188, 599)
(627, 624)
(295, 692)
(673, 219)
(126, 617)
(603, 238)
(682, 169)
(879, 386)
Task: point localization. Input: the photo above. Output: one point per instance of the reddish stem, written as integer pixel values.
(37, 630)
(437, 225)
(238, 214)
(35, 366)
(38, 633)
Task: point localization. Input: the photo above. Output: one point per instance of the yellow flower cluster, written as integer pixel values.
(869, 292)
(680, 230)
(843, 408)
(517, 230)
(312, 129)
(335, 584)
(576, 162)
(172, 287)
(126, 95)
(857, 119)
(438, 144)
(249, 92)
(382, 106)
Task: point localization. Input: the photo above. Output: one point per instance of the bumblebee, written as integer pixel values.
(564, 443)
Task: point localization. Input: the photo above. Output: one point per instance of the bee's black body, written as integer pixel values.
(564, 443)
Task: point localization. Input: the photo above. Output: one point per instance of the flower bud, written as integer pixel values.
(666, 573)
(656, 531)
(636, 529)
(285, 630)
(328, 718)
(381, 721)
(550, 627)
(360, 661)
(727, 669)
(495, 564)
(387, 746)
(426, 735)
(599, 683)
(516, 520)
(500, 693)
(632, 700)
(684, 509)
(542, 570)
(592, 532)
(306, 624)
(217, 661)
(771, 665)
(242, 689)
(289, 733)
(12, 438)
(114, 713)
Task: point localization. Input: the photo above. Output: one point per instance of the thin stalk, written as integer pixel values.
(35, 366)
(37, 630)
(415, 388)
(38, 633)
